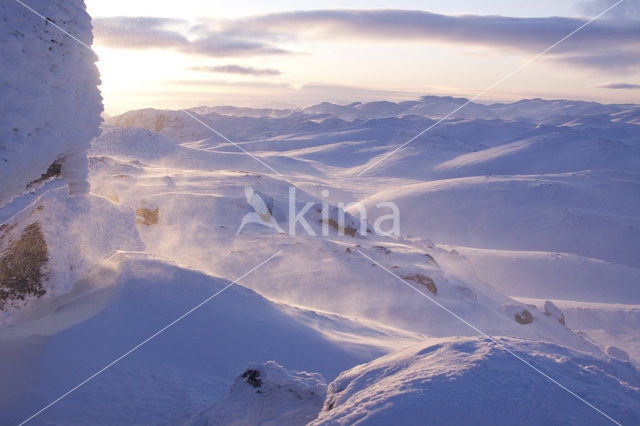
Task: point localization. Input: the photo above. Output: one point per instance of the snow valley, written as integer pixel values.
(508, 291)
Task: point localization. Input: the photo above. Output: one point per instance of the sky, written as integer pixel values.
(289, 53)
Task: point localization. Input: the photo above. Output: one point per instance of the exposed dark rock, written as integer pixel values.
(54, 170)
(22, 267)
(431, 259)
(383, 248)
(347, 230)
(523, 317)
(423, 280)
(252, 377)
(147, 216)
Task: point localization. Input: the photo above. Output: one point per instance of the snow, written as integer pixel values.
(128, 298)
(50, 103)
(592, 214)
(513, 217)
(267, 394)
(474, 381)
(611, 326)
(555, 274)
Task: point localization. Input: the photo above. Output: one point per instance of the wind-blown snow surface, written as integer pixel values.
(50, 103)
(472, 381)
(502, 208)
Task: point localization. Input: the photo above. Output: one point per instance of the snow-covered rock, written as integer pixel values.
(267, 394)
(74, 234)
(550, 309)
(50, 102)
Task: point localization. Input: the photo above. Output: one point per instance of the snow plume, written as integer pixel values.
(50, 102)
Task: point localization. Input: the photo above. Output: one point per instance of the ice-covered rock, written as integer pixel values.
(50, 102)
(550, 309)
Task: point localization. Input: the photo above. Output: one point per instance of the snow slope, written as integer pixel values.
(50, 103)
(528, 273)
(56, 343)
(588, 213)
(474, 381)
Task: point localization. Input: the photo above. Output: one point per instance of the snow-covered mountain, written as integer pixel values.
(242, 123)
(519, 222)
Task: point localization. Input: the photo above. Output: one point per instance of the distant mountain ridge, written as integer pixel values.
(246, 122)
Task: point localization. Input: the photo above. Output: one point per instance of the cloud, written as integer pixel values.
(139, 32)
(610, 44)
(412, 25)
(528, 35)
(165, 33)
(605, 60)
(218, 45)
(619, 86)
(628, 9)
(227, 84)
(237, 69)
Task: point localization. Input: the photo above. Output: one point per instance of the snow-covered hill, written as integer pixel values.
(517, 220)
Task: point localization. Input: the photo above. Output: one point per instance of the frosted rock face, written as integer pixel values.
(51, 105)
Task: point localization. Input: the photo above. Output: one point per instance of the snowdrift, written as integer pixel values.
(474, 381)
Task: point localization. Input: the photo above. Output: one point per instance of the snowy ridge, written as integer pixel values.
(459, 381)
